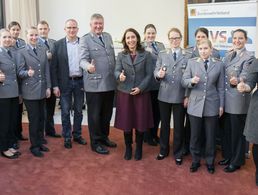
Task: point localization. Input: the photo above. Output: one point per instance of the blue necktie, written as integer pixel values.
(35, 51)
(100, 38)
(154, 46)
(174, 56)
(46, 43)
(206, 64)
(9, 53)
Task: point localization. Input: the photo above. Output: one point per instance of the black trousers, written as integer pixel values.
(178, 119)
(209, 126)
(35, 109)
(18, 129)
(99, 110)
(255, 156)
(233, 138)
(155, 113)
(8, 121)
(49, 115)
(187, 132)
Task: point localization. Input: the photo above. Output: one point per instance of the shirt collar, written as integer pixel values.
(74, 42)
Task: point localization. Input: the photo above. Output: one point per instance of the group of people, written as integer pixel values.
(150, 82)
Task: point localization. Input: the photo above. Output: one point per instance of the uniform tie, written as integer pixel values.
(206, 64)
(35, 51)
(234, 53)
(100, 38)
(46, 43)
(9, 53)
(174, 56)
(154, 47)
(17, 43)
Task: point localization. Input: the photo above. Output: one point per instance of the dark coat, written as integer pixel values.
(251, 125)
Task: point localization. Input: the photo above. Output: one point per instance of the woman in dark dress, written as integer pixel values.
(133, 107)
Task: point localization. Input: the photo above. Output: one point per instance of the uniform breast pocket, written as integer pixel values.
(94, 79)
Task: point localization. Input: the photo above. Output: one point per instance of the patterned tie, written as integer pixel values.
(206, 64)
(100, 38)
(35, 51)
(46, 43)
(174, 56)
(154, 47)
(234, 53)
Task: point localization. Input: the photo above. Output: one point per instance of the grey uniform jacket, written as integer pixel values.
(154, 85)
(138, 73)
(171, 89)
(192, 52)
(236, 102)
(208, 95)
(91, 48)
(50, 43)
(9, 87)
(34, 88)
(21, 43)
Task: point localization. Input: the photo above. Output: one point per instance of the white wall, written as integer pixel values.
(119, 15)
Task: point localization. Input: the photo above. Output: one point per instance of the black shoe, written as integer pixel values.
(186, 152)
(36, 152)
(68, 143)
(16, 146)
(194, 167)
(109, 143)
(80, 140)
(156, 139)
(54, 135)
(43, 148)
(43, 141)
(152, 142)
(224, 162)
(179, 161)
(14, 156)
(211, 169)
(231, 168)
(161, 157)
(21, 138)
(100, 150)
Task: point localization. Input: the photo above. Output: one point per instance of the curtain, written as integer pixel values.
(22, 11)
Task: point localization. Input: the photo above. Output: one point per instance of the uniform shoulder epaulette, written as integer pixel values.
(87, 34)
(164, 51)
(197, 59)
(216, 59)
(20, 39)
(189, 49)
(52, 39)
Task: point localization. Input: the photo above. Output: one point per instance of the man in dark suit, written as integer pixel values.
(97, 59)
(68, 83)
(48, 44)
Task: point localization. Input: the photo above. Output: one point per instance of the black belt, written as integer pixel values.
(75, 78)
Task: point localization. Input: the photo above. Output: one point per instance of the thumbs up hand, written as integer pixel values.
(31, 72)
(122, 76)
(91, 67)
(2, 76)
(242, 86)
(195, 79)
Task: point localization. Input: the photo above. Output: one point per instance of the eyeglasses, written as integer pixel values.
(71, 27)
(174, 38)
